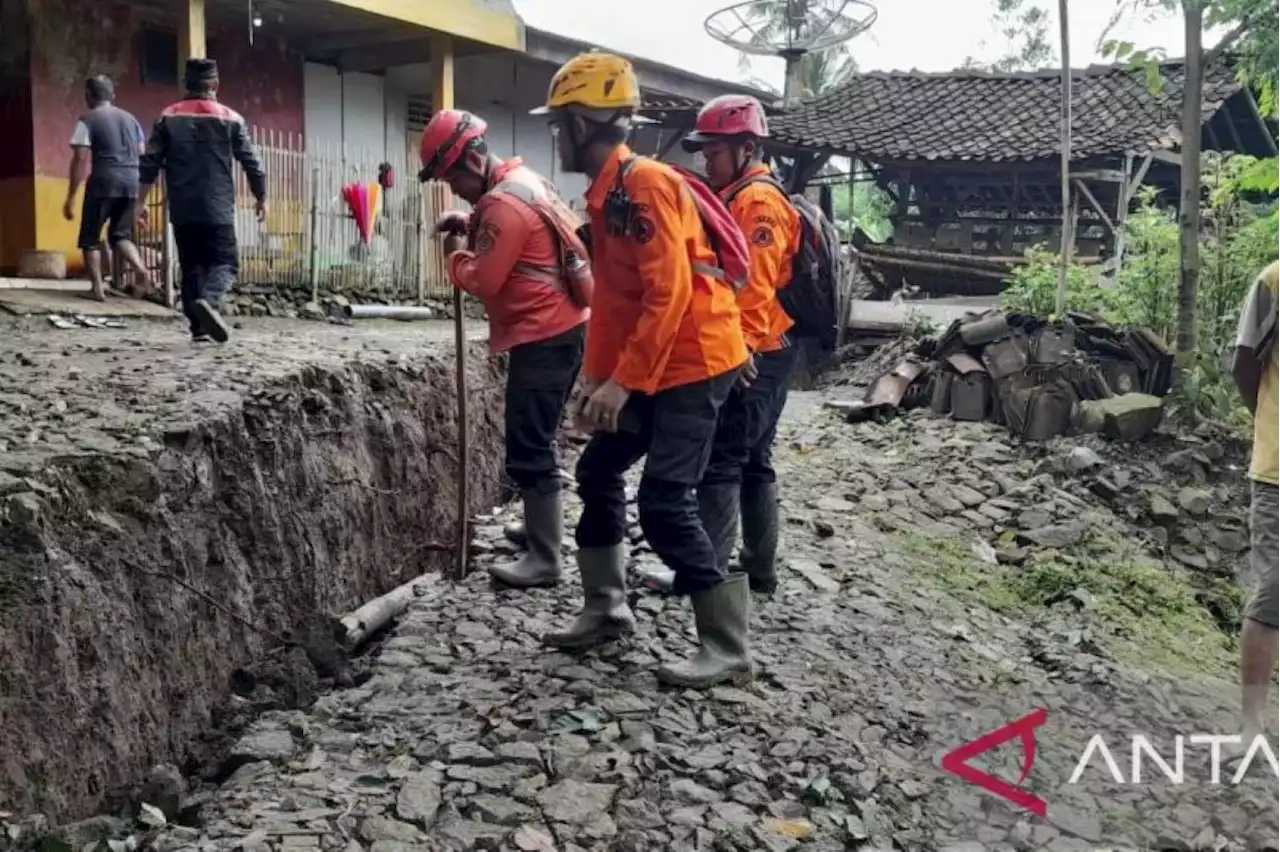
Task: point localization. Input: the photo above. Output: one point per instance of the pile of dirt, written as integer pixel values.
(174, 515)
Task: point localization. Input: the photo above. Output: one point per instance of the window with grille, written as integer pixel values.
(159, 57)
(417, 114)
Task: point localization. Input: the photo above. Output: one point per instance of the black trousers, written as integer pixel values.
(673, 430)
(742, 452)
(209, 260)
(116, 212)
(540, 378)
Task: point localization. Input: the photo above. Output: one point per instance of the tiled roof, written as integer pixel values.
(656, 101)
(973, 115)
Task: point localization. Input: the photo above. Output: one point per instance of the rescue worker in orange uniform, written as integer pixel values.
(740, 478)
(664, 349)
(518, 252)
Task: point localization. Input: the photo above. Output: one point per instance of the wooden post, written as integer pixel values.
(442, 98)
(191, 34)
(1122, 217)
(167, 249)
(1068, 225)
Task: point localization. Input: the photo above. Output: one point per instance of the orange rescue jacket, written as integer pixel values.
(513, 266)
(656, 323)
(772, 227)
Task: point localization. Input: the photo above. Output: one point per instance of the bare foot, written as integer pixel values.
(99, 293)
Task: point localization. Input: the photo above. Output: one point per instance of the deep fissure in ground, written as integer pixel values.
(130, 581)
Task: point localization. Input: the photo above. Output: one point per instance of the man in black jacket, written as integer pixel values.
(195, 142)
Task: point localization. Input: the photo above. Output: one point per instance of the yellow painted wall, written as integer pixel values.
(468, 19)
(54, 233)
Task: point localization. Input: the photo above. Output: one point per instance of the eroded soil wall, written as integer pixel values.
(312, 494)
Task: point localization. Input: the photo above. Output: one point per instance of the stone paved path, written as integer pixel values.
(470, 735)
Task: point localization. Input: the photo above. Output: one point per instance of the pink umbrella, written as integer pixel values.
(365, 201)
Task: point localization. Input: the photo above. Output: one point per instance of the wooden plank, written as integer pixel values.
(1093, 202)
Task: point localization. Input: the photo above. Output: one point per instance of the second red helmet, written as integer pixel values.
(728, 115)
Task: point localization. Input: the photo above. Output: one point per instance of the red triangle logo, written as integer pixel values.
(957, 761)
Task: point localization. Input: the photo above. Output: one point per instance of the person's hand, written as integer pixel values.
(144, 214)
(600, 413)
(453, 222)
(749, 372)
(454, 242)
(68, 211)
(260, 209)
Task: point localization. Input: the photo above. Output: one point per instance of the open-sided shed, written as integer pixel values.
(971, 159)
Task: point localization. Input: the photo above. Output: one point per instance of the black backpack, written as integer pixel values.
(812, 298)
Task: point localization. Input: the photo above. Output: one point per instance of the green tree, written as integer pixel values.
(1024, 26)
(1251, 32)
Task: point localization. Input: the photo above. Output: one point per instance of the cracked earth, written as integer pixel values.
(469, 734)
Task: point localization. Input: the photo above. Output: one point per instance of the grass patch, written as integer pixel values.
(1151, 615)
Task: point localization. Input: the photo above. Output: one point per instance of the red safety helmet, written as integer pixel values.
(728, 115)
(444, 139)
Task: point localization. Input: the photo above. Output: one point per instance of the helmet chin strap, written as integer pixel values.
(579, 148)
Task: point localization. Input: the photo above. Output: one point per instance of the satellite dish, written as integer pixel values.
(789, 28)
(804, 26)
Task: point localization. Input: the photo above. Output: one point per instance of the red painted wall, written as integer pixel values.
(16, 156)
(264, 82)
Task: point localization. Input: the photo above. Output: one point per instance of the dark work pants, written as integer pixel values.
(742, 452)
(209, 260)
(673, 430)
(540, 378)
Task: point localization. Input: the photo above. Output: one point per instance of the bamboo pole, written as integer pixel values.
(1068, 232)
(357, 626)
(442, 84)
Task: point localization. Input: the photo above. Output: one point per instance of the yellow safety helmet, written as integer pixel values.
(593, 81)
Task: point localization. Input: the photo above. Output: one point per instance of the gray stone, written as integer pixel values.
(502, 810)
(499, 778)
(1056, 535)
(687, 790)
(1162, 511)
(264, 743)
(378, 828)
(419, 800)
(520, 752)
(529, 838)
(576, 802)
(1194, 502)
(1082, 459)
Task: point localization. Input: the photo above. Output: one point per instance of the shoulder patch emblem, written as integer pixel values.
(486, 237)
(762, 236)
(643, 229)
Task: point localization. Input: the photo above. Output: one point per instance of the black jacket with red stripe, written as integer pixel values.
(196, 141)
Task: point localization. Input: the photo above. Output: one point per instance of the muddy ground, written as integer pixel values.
(169, 513)
(904, 629)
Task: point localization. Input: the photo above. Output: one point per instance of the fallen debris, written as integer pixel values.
(1039, 379)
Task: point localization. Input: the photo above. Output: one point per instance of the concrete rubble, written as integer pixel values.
(1039, 379)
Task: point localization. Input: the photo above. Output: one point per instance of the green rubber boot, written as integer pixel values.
(759, 554)
(544, 531)
(605, 615)
(722, 614)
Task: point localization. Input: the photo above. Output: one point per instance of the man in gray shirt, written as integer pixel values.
(106, 145)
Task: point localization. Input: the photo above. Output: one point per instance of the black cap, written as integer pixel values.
(201, 72)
